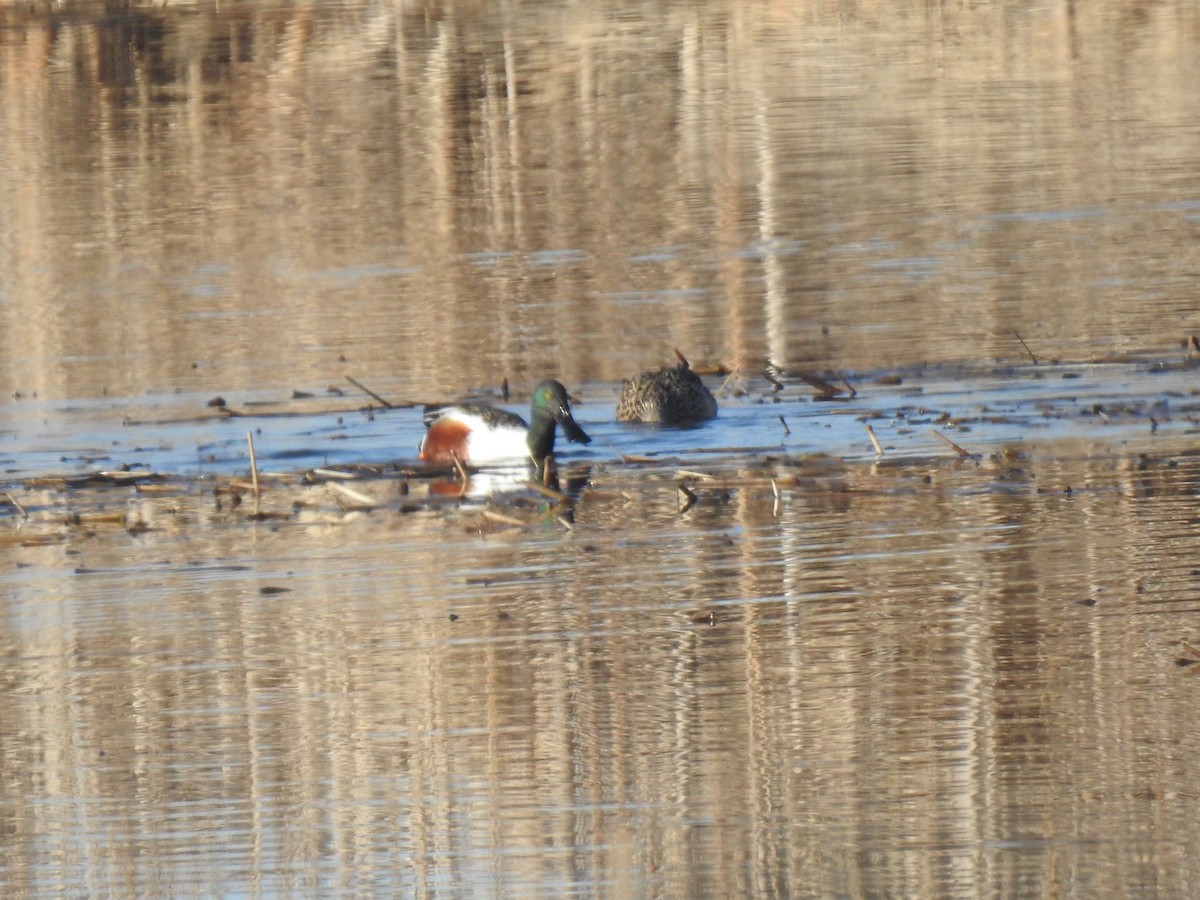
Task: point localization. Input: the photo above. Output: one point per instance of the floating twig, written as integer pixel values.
(786, 431)
(777, 495)
(953, 446)
(690, 498)
(874, 440)
(370, 393)
(1026, 346)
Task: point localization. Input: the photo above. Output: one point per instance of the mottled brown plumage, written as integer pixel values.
(672, 395)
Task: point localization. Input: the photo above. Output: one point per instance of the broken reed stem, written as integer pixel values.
(786, 431)
(370, 393)
(775, 492)
(689, 502)
(953, 446)
(1026, 346)
(874, 440)
(16, 504)
(253, 467)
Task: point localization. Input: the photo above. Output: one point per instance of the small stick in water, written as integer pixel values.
(786, 431)
(1026, 346)
(875, 440)
(253, 472)
(689, 494)
(369, 393)
(957, 449)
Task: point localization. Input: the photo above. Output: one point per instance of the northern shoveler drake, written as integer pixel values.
(481, 435)
(672, 395)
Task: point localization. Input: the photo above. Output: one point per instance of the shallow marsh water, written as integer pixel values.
(826, 672)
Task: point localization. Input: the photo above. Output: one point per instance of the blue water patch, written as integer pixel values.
(1050, 216)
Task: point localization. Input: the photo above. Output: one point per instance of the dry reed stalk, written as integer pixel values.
(874, 440)
(105, 518)
(16, 504)
(957, 449)
(1026, 346)
(334, 473)
(24, 539)
(253, 467)
(370, 393)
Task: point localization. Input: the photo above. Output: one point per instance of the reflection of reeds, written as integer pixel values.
(461, 156)
(713, 658)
